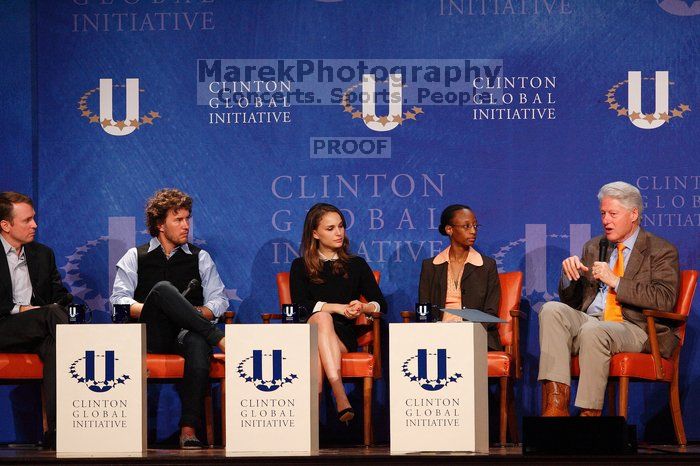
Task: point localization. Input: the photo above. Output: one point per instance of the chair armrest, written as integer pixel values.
(266, 317)
(376, 343)
(654, 340)
(516, 315)
(372, 318)
(407, 316)
(665, 315)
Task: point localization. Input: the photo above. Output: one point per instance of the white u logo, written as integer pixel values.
(132, 106)
(369, 101)
(634, 99)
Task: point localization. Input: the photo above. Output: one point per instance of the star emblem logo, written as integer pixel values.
(83, 106)
(636, 116)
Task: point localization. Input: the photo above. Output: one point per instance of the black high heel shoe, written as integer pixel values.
(346, 415)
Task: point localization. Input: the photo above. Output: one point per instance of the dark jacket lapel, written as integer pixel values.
(468, 269)
(32, 265)
(441, 278)
(5, 279)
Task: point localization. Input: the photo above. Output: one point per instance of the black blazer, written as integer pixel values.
(481, 290)
(47, 287)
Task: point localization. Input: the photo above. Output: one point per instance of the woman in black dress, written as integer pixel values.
(326, 282)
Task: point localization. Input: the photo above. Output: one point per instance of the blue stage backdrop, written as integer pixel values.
(390, 110)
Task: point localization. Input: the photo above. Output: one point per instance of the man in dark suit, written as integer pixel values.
(602, 302)
(30, 287)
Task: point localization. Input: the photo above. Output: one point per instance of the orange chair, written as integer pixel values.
(366, 363)
(20, 368)
(651, 367)
(170, 367)
(504, 365)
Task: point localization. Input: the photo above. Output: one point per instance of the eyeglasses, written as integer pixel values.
(468, 226)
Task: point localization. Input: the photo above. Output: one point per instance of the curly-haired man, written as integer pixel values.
(152, 279)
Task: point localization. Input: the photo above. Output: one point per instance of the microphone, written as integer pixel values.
(603, 246)
(194, 283)
(603, 249)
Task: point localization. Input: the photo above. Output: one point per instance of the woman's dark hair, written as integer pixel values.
(309, 244)
(448, 214)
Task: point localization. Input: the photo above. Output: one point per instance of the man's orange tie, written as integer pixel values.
(613, 310)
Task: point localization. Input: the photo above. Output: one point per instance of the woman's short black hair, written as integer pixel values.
(448, 214)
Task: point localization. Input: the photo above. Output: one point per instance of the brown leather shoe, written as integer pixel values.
(590, 412)
(556, 399)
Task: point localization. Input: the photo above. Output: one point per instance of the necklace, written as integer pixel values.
(456, 276)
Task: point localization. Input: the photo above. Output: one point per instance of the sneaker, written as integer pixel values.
(190, 442)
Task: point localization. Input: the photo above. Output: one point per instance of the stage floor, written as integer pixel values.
(647, 454)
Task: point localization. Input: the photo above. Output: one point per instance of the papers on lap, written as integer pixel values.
(473, 315)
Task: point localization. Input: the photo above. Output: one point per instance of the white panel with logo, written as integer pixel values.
(271, 388)
(101, 388)
(439, 394)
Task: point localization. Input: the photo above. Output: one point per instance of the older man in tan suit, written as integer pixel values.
(600, 313)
